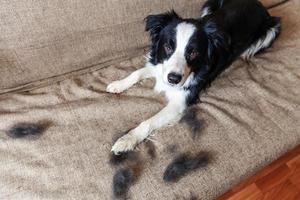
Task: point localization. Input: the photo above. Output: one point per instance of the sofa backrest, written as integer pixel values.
(41, 40)
(45, 40)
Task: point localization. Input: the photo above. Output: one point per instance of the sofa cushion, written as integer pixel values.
(248, 117)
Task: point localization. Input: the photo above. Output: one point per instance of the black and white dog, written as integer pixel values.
(188, 54)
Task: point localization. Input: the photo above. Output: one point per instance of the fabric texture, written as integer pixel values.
(43, 41)
(248, 117)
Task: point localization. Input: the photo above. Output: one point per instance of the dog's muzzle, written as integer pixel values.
(174, 78)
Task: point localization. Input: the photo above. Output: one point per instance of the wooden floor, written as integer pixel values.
(278, 181)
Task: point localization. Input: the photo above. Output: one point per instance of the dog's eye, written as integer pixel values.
(168, 49)
(193, 55)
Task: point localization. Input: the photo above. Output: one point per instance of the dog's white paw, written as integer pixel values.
(126, 143)
(116, 87)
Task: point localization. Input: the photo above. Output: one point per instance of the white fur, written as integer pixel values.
(261, 43)
(168, 115)
(177, 62)
(205, 11)
(184, 31)
(124, 84)
(161, 85)
(176, 95)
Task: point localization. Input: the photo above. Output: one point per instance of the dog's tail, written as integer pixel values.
(265, 38)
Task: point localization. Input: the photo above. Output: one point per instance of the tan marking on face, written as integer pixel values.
(187, 72)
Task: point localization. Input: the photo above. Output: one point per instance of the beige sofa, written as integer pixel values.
(56, 58)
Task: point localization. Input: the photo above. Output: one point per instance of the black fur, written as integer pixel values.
(121, 158)
(184, 164)
(220, 37)
(190, 118)
(155, 24)
(22, 130)
(122, 181)
(151, 150)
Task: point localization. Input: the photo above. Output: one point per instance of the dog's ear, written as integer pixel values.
(155, 23)
(218, 40)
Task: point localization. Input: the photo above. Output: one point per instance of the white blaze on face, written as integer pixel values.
(177, 62)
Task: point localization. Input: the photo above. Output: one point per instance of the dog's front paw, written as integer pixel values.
(126, 143)
(116, 87)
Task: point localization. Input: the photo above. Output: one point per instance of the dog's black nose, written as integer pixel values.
(174, 78)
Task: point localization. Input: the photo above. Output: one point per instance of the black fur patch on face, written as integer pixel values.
(161, 28)
(163, 33)
(184, 164)
(22, 130)
(122, 180)
(190, 118)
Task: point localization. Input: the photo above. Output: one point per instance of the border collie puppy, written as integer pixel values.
(188, 54)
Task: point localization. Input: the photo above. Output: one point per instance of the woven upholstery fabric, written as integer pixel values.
(248, 117)
(43, 41)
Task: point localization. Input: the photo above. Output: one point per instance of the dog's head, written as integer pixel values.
(182, 46)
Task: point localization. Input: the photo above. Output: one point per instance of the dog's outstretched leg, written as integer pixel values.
(170, 114)
(121, 85)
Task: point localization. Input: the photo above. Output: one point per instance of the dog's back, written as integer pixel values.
(250, 26)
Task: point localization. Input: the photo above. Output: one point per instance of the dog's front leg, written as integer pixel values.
(170, 114)
(121, 85)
